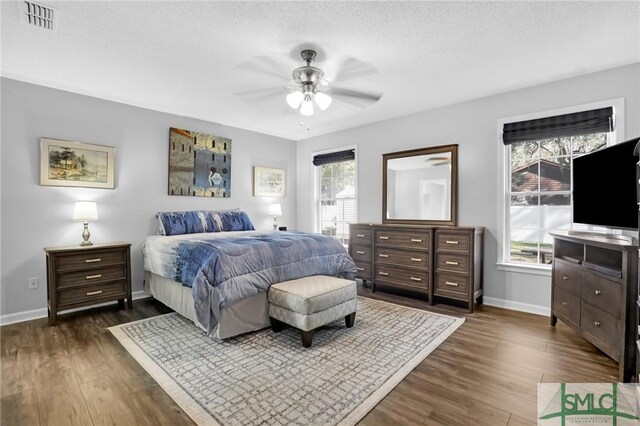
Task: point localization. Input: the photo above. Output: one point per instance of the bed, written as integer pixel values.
(219, 278)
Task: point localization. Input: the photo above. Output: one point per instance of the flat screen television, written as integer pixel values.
(604, 187)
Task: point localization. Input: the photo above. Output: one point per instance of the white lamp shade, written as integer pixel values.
(323, 100)
(275, 210)
(294, 99)
(307, 108)
(85, 211)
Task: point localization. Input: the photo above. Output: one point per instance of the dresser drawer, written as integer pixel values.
(567, 306)
(602, 293)
(567, 277)
(360, 252)
(451, 285)
(418, 239)
(452, 262)
(92, 259)
(90, 277)
(415, 259)
(395, 275)
(360, 234)
(600, 325)
(90, 294)
(453, 241)
(363, 269)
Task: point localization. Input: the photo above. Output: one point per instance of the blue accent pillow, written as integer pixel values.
(191, 222)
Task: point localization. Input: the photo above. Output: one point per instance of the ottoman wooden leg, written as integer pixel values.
(307, 338)
(277, 326)
(350, 319)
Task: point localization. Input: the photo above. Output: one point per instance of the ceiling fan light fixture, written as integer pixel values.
(307, 107)
(322, 100)
(294, 99)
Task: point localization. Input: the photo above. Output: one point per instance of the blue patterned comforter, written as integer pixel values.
(225, 267)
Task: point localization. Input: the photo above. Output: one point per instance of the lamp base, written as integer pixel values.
(86, 243)
(275, 223)
(86, 235)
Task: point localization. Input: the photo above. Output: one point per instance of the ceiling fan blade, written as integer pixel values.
(352, 68)
(267, 66)
(259, 92)
(369, 97)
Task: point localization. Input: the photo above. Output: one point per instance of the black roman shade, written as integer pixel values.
(334, 157)
(579, 123)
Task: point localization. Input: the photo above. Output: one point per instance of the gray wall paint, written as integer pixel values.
(35, 216)
(472, 125)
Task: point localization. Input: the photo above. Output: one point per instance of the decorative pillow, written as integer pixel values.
(190, 222)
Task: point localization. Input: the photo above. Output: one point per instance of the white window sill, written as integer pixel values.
(544, 270)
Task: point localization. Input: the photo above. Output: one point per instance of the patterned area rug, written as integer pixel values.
(269, 378)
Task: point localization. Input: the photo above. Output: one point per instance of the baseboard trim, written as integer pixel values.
(517, 306)
(42, 313)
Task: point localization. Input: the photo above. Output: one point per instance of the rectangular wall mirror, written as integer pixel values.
(420, 186)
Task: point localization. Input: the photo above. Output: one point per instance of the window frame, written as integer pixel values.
(504, 178)
(317, 228)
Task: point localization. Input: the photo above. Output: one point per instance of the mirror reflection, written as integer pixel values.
(420, 186)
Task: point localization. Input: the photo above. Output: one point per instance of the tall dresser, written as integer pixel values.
(442, 262)
(594, 291)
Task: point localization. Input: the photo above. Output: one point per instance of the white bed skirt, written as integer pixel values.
(248, 315)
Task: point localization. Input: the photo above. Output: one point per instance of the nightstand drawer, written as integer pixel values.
(92, 276)
(90, 294)
(93, 259)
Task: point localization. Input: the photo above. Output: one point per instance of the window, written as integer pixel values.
(537, 158)
(337, 194)
(540, 192)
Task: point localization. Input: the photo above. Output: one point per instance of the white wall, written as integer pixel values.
(35, 216)
(473, 126)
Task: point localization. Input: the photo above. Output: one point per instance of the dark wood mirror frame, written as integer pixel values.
(453, 149)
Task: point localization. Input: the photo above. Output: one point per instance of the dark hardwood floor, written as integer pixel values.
(77, 373)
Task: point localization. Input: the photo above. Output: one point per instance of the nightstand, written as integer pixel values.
(81, 276)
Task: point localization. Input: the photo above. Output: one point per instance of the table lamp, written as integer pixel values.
(85, 211)
(275, 210)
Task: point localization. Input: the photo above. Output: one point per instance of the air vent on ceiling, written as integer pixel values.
(38, 15)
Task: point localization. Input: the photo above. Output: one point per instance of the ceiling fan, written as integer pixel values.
(438, 161)
(308, 86)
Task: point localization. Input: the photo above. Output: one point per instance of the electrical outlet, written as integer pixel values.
(33, 283)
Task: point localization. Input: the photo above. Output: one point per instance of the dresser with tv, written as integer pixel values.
(594, 291)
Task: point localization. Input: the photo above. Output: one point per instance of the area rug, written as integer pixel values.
(269, 378)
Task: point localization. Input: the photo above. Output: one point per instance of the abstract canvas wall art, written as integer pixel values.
(199, 164)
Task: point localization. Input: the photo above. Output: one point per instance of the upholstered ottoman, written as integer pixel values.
(311, 302)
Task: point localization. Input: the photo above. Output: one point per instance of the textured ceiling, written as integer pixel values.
(192, 58)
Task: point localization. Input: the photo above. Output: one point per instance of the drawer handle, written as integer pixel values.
(360, 235)
(416, 259)
(91, 277)
(359, 269)
(564, 303)
(93, 293)
(564, 277)
(448, 262)
(384, 238)
(93, 260)
(359, 252)
(450, 283)
(416, 240)
(598, 292)
(384, 274)
(384, 255)
(416, 279)
(596, 323)
(452, 242)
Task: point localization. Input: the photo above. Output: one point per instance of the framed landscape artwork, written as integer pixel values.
(199, 164)
(268, 182)
(67, 163)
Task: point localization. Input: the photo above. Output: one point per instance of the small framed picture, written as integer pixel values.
(67, 163)
(268, 182)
